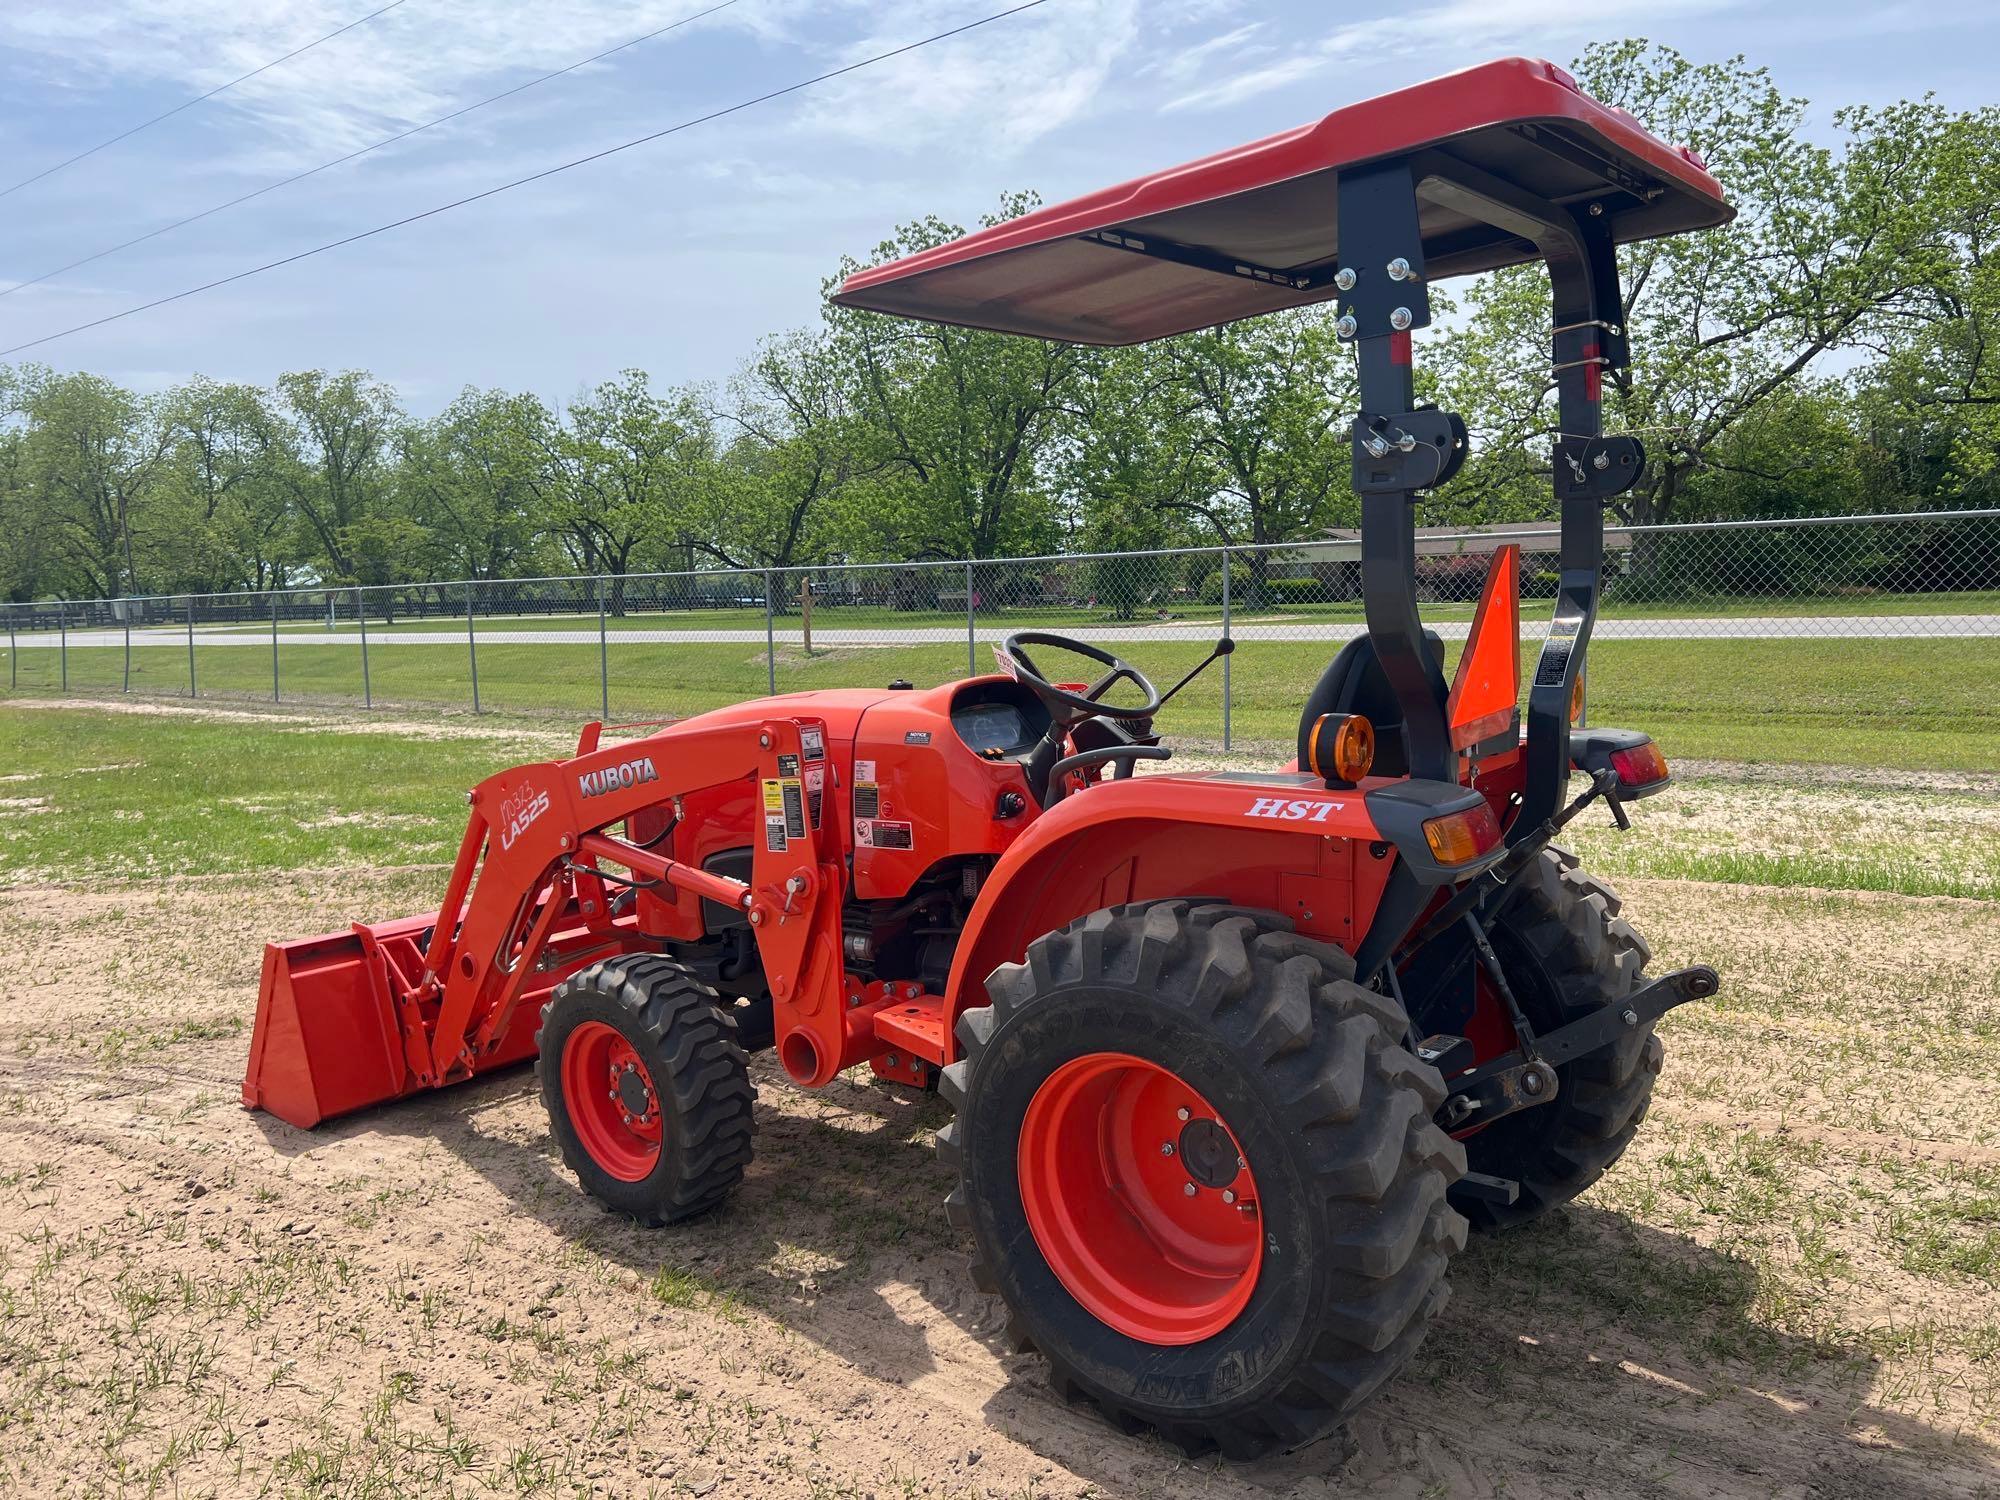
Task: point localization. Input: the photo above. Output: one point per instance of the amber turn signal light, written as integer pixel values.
(1642, 765)
(1341, 747)
(1461, 837)
(1576, 700)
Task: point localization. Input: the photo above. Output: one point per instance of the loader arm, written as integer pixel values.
(535, 845)
(526, 905)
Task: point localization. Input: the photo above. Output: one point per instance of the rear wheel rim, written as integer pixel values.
(1140, 1199)
(612, 1101)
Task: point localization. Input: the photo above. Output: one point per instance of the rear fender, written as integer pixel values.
(1279, 842)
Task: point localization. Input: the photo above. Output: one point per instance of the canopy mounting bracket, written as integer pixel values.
(1152, 245)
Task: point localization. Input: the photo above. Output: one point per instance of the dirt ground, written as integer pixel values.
(1787, 1289)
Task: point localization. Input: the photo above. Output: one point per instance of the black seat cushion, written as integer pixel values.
(1354, 683)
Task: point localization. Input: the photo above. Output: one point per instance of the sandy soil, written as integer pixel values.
(194, 1299)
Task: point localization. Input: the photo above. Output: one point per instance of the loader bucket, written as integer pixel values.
(328, 1038)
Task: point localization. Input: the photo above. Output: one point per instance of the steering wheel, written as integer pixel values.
(1069, 708)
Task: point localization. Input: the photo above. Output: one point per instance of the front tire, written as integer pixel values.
(1250, 1322)
(648, 1094)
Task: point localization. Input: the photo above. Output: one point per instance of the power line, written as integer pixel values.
(200, 98)
(492, 192)
(401, 135)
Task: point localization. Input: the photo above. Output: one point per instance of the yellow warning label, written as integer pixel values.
(774, 796)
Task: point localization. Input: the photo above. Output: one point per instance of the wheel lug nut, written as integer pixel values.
(1189, 1190)
(1227, 1196)
(1182, 1113)
(1166, 1148)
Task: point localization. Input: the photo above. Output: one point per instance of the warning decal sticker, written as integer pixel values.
(875, 833)
(795, 807)
(788, 765)
(1556, 650)
(775, 834)
(815, 791)
(813, 741)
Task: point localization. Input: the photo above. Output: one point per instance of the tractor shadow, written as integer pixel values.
(1591, 1350)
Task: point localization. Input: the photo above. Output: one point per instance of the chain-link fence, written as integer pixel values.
(1716, 607)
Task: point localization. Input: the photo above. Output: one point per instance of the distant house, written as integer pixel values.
(1451, 560)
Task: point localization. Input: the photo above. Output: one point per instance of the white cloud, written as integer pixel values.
(1455, 32)
(422, 59)
(995, 90)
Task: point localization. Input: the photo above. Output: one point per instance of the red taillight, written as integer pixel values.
(1461, 837)
(1642, 765)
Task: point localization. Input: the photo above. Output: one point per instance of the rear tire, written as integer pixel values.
(648, 1095)
(1344, 1175)
(1567, 953)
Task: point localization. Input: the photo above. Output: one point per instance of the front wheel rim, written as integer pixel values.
(612, 1101)
(1140, 1199)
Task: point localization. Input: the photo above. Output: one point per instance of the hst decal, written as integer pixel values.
(1293, 809)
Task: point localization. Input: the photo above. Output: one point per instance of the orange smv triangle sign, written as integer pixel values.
(1487, 687)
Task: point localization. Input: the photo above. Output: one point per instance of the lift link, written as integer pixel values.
(1502, 1086)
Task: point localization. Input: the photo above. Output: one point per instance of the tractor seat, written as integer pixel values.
(1354, 683)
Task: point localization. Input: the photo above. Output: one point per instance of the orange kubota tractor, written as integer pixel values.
(1235, 1056)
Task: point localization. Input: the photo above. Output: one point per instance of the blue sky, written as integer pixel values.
(677, 257)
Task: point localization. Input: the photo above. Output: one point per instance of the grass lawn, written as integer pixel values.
(1917, 704)
(176, 793)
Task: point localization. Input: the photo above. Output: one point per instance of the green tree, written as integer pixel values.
(797, 471)
(1829, 246)
(1266, 405)
(1932, 400)
(1134, 472)
(335, 460)
(23, 544)
(473, 479)
(961, 423)
(90, 456)
(222, 485)
(624, 469)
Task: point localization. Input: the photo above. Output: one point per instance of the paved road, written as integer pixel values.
(1741, 628)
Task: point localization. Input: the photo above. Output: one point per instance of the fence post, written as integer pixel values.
(361, 619)
(1225, 660)
(274, 646)
(770, 635)
(13, 654)
(971, 633)
(62, 625)
(472, 645)
(126, 611)
(806, 613)
(603, 660)
(191, 688)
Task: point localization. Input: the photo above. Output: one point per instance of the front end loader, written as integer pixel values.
(1235, 1057)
